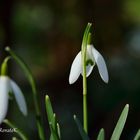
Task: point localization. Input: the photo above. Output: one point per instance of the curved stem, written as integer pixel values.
(17, 130)
(31, 80)
(84, 53)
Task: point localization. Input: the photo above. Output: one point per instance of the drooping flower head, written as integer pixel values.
(7, 86)
(93, 57)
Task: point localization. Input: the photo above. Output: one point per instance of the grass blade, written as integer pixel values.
(120, 124)
(137, 137)
(52, 120)
(58, 130)
(80, 128)
(49, 111)
(101, 135)
(54, 133)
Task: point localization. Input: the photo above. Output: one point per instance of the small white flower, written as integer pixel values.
(93, 57)
(7, 85)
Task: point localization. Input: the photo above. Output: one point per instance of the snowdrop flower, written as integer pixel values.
(7, 86)
(93, 58)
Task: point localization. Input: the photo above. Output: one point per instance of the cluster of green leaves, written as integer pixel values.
(55, 129)
(117, 131)
(54, 125)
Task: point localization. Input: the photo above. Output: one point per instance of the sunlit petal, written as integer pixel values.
(19, 97)
(4, 89)
(101, 65)
(76, 69)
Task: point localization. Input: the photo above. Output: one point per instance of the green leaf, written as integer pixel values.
(101, 135)
(120, 124)
(57, 133)
(51, 119)
(81, 130)
(49, 111)
(137, 137)
(54, 134)
(51, 137)
(58, 130)
(18, 131)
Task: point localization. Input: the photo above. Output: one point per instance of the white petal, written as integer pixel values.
(89, 52)
(76, 68)
(101, 65)
(19, 97)
(89, 69)
(4, 89)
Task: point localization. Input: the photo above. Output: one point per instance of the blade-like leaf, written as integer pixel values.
(18, 131)
(51, 119)
(120, 124)
(137, 137)
(58, 130)
(81, 130)
(101, 135)
(54, 133)
(49, 111)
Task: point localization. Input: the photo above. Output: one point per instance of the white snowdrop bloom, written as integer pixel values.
(8, 85)
(93, 57)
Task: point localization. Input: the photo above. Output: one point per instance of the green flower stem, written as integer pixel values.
(85, 113)
(4, 66)
(84, 52)
(18, 131)
(31, 80)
